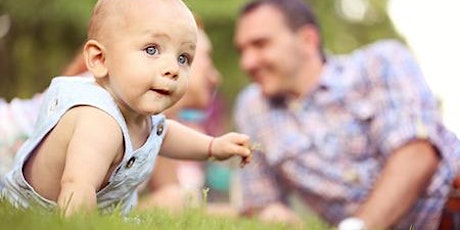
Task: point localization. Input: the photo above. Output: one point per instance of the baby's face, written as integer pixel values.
(148, 55)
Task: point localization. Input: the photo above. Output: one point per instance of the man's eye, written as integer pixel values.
(183, 59)
(151, 50)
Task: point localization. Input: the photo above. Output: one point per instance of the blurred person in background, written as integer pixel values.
(358, 137)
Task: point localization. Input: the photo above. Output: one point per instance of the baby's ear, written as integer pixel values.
(95, 58)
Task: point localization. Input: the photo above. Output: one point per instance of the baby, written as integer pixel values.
(97, 138)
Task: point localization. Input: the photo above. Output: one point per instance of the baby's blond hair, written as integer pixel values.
(104, 12)
(99, 14)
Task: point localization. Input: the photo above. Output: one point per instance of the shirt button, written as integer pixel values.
(351, 176)
(160, 129)
(130, 162)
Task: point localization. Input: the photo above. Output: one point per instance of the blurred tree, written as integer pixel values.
(44, 35)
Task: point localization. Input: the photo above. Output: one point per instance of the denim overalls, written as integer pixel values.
(136, 166)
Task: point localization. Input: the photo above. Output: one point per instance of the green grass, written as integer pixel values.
(193, 218)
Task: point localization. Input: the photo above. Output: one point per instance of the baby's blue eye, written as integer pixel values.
(182, 59)
(151, 50)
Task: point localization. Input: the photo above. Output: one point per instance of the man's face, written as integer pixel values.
(270, 51)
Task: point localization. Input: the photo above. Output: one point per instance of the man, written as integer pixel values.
(358, 137)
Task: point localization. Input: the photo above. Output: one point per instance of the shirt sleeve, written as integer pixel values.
(407, 109)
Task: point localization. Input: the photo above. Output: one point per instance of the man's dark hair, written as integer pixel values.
(296, 13)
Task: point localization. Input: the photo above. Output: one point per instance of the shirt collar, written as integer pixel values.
(333, 85)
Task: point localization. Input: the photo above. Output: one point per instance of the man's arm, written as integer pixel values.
(403, 179)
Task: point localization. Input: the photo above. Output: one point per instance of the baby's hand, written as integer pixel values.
(231, 144)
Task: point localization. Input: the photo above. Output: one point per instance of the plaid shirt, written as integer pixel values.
(330, 146)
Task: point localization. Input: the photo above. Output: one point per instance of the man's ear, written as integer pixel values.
(310, 37)
(95, 58)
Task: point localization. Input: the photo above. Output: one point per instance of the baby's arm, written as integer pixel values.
(182, 142)
(94, 143)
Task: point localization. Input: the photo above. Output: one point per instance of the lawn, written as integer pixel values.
(193, 218)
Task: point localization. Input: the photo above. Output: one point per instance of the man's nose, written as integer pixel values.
(248, 60)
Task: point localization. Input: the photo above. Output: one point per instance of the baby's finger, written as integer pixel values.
(255, 146)
(245, 160)
(241, 150)
(241, 139)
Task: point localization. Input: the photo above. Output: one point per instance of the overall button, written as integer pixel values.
(160, 129)
(53, 105)
(130, 162)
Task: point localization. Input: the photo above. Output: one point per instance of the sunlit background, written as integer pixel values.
(431, 30)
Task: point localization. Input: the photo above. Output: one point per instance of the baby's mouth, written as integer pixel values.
(163, 92)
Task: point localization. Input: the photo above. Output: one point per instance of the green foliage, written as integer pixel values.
(43, 37)
(45, 34)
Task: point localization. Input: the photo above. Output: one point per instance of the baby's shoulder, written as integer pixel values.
(82, 107)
